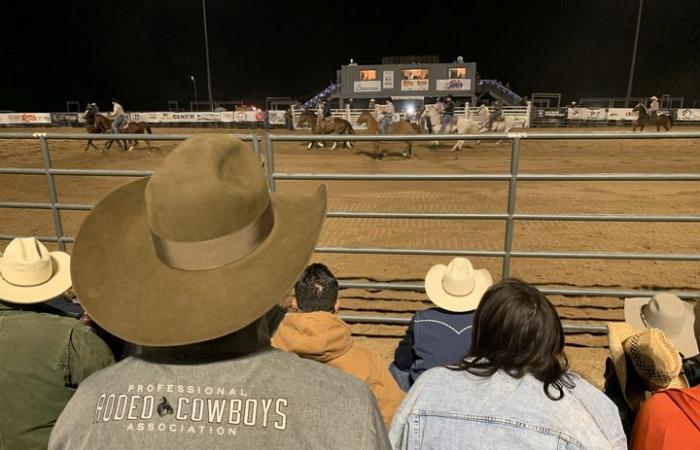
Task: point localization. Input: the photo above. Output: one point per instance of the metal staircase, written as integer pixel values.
(499, 92)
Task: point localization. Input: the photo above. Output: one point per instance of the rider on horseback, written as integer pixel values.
(654, 107)
(120, 117)
(388, 117)
(448, 113)
(497, 113)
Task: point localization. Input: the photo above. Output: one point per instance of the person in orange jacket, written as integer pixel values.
(316, 332)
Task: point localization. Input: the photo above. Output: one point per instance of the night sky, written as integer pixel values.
(143, 51)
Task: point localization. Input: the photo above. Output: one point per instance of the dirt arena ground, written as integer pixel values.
(587, 352)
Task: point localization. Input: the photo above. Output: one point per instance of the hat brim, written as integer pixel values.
(129, 291)
(437, 294)
(631, 386)
(685, 341)
(59, 283)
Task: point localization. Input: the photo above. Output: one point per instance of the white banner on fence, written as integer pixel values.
(388, 82)
(622, 114)
(586, 114)
(456, 84)
(20, 118)
(688, 114)
(414, 85)
(275, 117)
(368, 86)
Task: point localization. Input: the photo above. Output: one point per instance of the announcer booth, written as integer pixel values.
(410, 79)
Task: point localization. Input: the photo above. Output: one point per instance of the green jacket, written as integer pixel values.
(43, 358)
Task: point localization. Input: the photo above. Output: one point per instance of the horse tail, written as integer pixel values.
(350, 129)
(147, 127)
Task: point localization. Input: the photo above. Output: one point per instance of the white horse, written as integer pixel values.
(433, 121)
(468, 126)
(506, 123)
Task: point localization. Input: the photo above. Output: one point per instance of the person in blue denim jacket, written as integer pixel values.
(442, 335)
(513, 390)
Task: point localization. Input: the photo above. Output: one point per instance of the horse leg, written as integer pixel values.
(335, 144)
(409, 151)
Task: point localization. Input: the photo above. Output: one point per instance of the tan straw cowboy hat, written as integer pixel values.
(457, 287)
(643, 359)
(29, 273)
(196, 252)
(667, 312)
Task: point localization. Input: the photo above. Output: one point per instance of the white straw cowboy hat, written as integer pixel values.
(653, 97)
(642, 358)
(457, 287)
(667, 312)
(29, 273)
(196, 252)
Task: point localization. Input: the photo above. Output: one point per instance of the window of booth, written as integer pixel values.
(368, 75)
(415, 74)
(458, 72)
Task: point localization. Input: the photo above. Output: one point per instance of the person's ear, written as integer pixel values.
(336, 307)
(295, 305)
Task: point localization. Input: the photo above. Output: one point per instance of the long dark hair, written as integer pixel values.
(517, 330)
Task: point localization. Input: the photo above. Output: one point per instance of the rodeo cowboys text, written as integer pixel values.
(189, 409)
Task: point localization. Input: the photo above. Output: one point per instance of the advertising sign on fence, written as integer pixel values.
(388, 82)
(25, 118)
(368, 86)
(688, 114)
(586, 114)
(276, 117)
(622, 114)
(456, 84)
(414, 85)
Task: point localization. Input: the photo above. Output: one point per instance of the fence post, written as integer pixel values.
(270, 165)
(528, 114)
(512, 185)
(347, 113)
(53, 198)
(294, 121)
(256, 145)
(466, 110)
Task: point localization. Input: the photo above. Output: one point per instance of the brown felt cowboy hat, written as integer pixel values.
(196, 252)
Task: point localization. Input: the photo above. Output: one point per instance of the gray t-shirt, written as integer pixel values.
(267, 399)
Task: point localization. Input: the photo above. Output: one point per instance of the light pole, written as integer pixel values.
(634, 55)
(206, 52)
(194, 89)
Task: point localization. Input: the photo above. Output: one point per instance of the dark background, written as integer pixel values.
(143, 51)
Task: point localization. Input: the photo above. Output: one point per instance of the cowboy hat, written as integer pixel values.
(29, 273)
(457, 287)
(196, 252)
(643, 358)
(668, 313)
(653, 97)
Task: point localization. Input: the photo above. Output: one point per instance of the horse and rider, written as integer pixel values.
(100, 124)
(651, 116)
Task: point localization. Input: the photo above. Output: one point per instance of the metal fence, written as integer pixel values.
(50, 173)
(509, 216)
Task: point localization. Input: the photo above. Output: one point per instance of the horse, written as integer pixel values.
(400, 127)
(432, 120)
(661, 120)
(96, 124)
(334, 126)
(504, 123)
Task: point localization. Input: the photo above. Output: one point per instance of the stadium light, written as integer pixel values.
(206, 52)
(634, 55)
(194, 88)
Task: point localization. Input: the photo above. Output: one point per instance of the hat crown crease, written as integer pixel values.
(665, 312)
(459, 278)
(26, 262)
(208, 205)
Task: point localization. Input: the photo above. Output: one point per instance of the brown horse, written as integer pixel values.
(99, 124)
(400, 127)
(335, 126)
(661, 120)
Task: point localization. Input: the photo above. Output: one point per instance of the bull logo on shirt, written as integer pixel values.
(164, 408)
